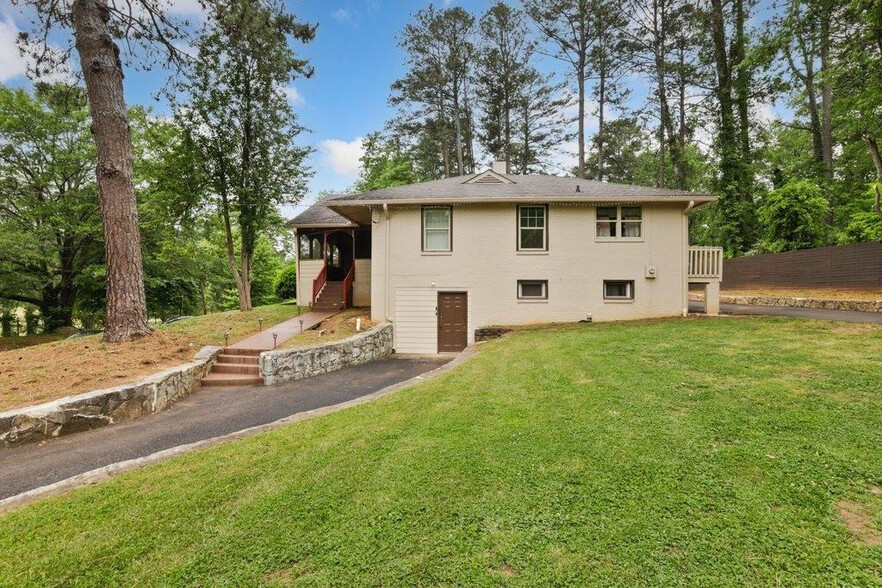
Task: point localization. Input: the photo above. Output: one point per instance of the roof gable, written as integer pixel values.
(489, 177)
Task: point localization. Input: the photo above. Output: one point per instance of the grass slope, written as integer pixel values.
(707, 452)
(52, 370)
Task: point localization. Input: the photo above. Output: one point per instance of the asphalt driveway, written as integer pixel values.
(848, 316)
(209, 413)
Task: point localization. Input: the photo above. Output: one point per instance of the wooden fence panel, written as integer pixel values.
(853, 267)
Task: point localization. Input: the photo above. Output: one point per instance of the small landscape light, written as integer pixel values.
(260, 323)
(227, 339)
(301, 325)
(275, 338)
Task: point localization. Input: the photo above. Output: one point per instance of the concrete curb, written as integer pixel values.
(106, 472)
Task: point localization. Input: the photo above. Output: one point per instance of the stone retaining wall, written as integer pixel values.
(825, 303)
(105, 407)
(283, 365)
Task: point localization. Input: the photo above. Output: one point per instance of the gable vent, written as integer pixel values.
(487, 180)
(489, 177)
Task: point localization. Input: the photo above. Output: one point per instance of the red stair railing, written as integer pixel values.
(347, 286)
(319, 282)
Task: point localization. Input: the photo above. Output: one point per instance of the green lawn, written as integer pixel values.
(711, 452)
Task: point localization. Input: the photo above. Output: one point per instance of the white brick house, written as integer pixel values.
(441, 259)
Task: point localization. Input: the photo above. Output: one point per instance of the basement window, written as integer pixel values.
(618, 290)
(532, 289)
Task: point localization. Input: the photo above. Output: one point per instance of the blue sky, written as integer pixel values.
(355, 56)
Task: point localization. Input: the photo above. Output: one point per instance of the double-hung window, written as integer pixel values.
(619, 222)
(437, 228)
(532, 228)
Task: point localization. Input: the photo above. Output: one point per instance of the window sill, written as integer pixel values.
(436, 253)
(528, 252)
(613, 301)
(528, 301)
(619, 239)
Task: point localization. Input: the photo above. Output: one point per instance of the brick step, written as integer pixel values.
(327, 307)
(231, 380)
(241, 359)
(237, 351)
(235, 368)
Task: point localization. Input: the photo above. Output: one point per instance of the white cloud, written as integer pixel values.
(342, 14)
(15, 65)
(344, 157)
(293, 95)
(12, 65)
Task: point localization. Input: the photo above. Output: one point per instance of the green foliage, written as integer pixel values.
(793, 217)
(383, 164)
(286, 283)
(242, 127)
(49, 226)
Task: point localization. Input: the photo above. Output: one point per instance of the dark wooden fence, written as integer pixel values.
(855, 267)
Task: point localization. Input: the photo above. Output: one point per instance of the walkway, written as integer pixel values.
(208, 413)
(848, 316)
(285, 330)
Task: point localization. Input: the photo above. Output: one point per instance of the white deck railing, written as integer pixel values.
(706, 262)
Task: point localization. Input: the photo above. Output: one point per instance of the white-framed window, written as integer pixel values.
(533, 289)
(437, 228)
(533, 228)
(619, 222)
(618, 289)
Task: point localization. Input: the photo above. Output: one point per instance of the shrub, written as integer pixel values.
(793, 217)
(286, 282)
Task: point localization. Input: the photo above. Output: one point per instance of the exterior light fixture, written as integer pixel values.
(260, 323)
(275, 338)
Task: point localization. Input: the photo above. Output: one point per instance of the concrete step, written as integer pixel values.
(231, 380)
(241, 359)
(235, 368)
(237, 351)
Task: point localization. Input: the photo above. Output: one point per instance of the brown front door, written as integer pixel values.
(452, 321)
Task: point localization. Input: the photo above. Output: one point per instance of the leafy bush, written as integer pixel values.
(793, 217)
(286, 282)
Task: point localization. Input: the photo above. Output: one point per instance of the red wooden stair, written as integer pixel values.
(330, 297)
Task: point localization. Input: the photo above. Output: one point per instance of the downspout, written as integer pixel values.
(684, 253)
(388, 261)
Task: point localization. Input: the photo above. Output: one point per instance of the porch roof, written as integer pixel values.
(319, 216)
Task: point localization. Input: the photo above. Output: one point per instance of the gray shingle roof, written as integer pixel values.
(528, 187)
(319, 215)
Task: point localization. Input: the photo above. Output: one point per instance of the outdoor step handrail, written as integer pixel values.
(347, 285)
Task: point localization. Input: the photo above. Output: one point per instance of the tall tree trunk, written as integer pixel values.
(601, 98)
(877, 161)
(581, 81)
(457, 127)
(126, 313)
(827, 112)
